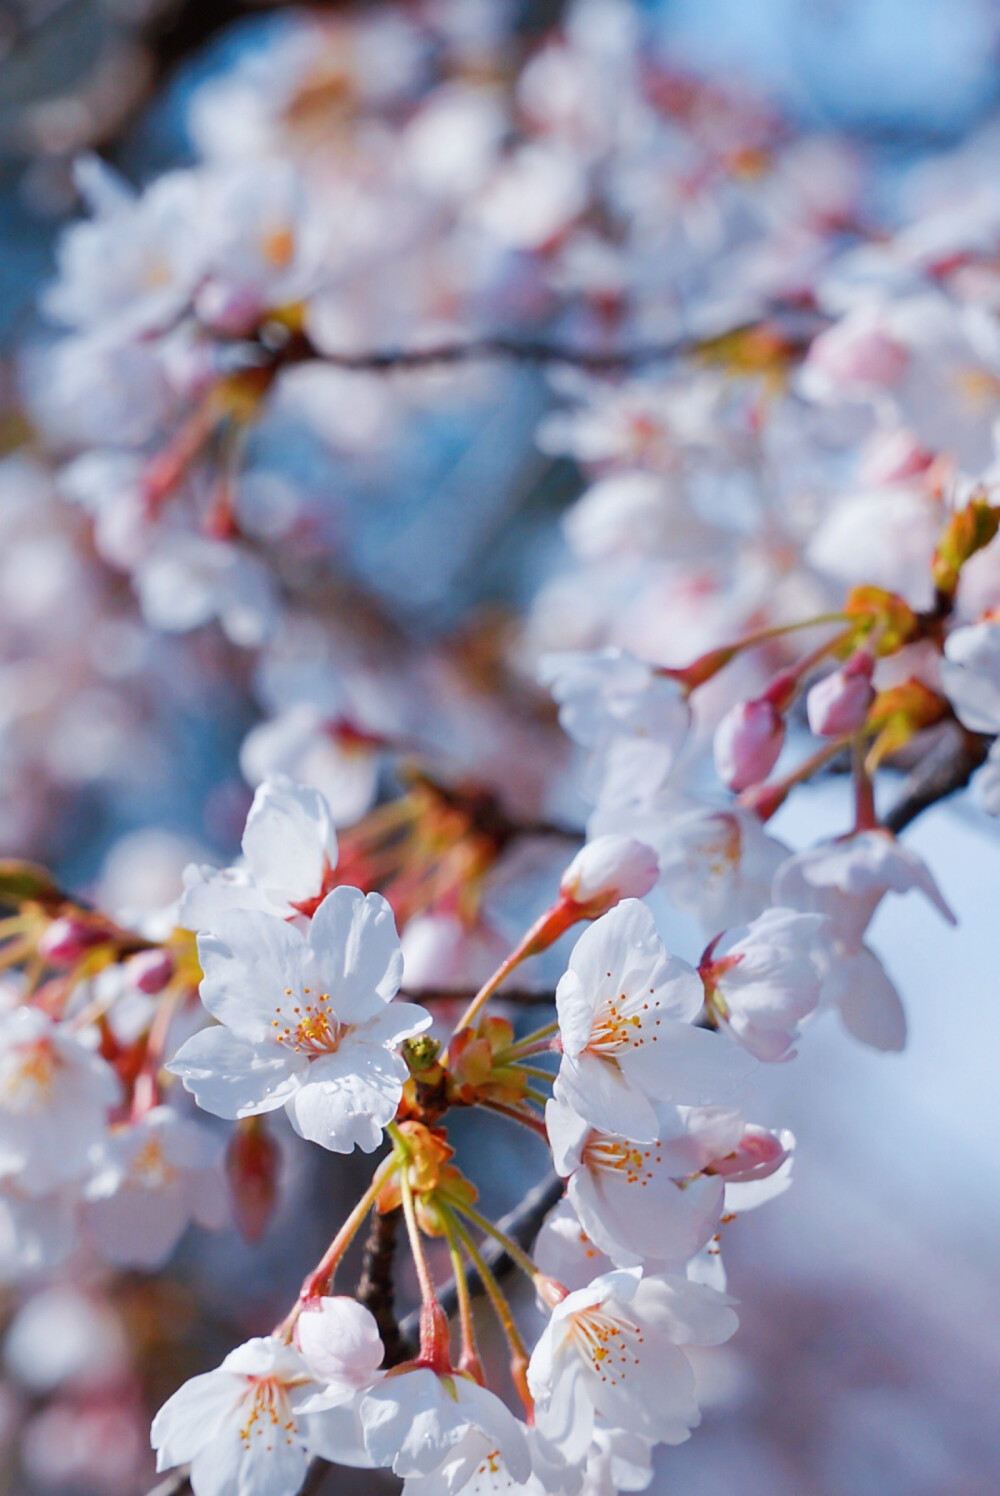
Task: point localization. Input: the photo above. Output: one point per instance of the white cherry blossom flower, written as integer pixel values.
(475, 1467)
(152, 1178)
(302, 743)
(37, 1232)
(865, 997)
(55, 1095)
(970, 674)
(187, 580)
(764, 978)
(633, 718)
(414, 1420)
(617, 1461)
(847, 880)
(241, 1427)
(612, 1353)
(638, 1201)
(306, 1021)
(625, 1018)
(564, 1252)
(289, 852)
(717, 865)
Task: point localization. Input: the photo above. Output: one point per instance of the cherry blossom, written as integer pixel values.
(150, 1179)
(55, 1095)
(637, 1201)
(613, 1352)
(748, 741)
(718, 865)
(625, 1017)
(306, 1021)
(847, 880)
(289, 853)
(339, 1339)
(633, 717)
(416, 1420)
(764, 978)
(241, 1427)
(971, 675)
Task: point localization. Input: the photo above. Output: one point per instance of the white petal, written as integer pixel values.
(357, 951)
(234, 1078)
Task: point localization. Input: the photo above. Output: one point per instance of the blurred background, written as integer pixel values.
(868, 1359)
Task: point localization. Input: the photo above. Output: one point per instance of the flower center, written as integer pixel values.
(268, 1414)
(149, 1169)
(623, 1022)
(720, 857)
(608, 1342)
(308, 1026)
(28, 1076)
(619, 1156)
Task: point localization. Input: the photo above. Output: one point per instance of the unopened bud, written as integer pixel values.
(840, 703)
(150, 971)
(607, 870)
(226, 308)
(758, 1155)
(67, 939)
(253, 1163)
(748, 741)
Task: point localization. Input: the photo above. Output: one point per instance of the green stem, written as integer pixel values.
(510, 1246)
(469, 1353)
(502, 1310)
(526, 1119)
(532, 1070)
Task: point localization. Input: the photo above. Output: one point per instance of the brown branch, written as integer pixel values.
(795, 328)
(946, 768)
(520, 350)
(376, 1288)
(523, 995)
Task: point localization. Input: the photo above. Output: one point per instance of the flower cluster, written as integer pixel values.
(278, 419)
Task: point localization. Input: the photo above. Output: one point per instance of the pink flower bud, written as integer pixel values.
(67, 939)
(840, 702)
(226, 308)
(747, 743)
(609, 869)
(253, 1163)
(859, 355)
(150, 971)
(759, 1154)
